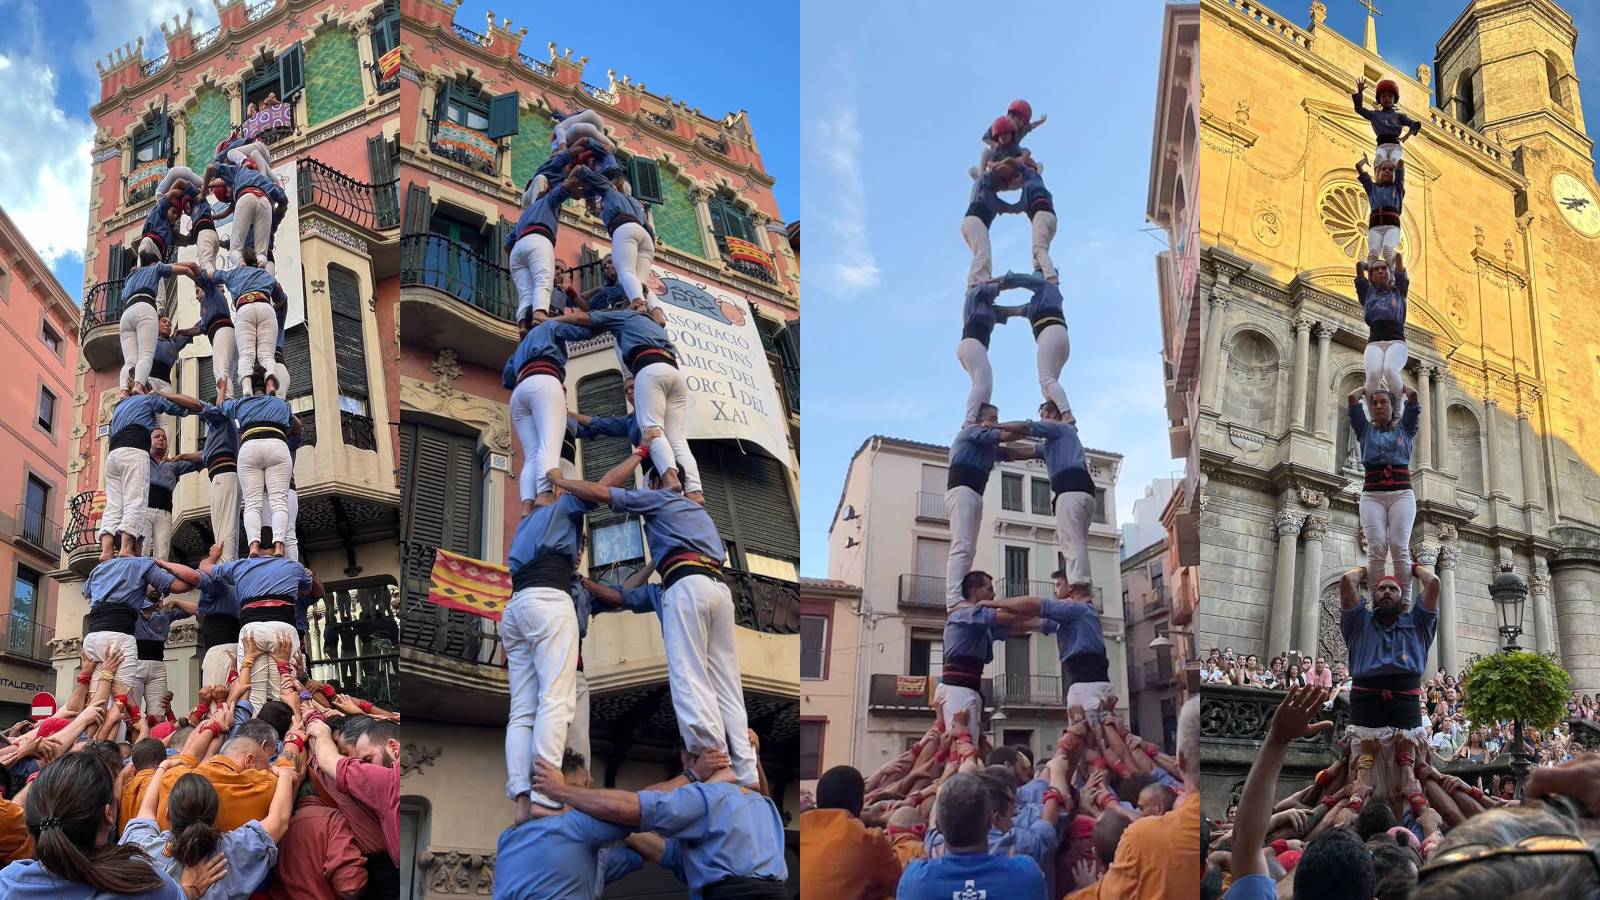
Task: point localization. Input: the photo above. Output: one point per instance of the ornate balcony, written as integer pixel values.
(470, 308)
(537, 66)
(912, 694)
(102, 310)
(382, 84)
(373, 207)
(80, 540)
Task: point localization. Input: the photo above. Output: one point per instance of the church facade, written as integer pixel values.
(1502, 244)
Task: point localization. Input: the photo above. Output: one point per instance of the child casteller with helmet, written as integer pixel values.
(1390, 124)
(1003, 139)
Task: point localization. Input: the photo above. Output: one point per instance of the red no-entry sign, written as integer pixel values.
(44, 706)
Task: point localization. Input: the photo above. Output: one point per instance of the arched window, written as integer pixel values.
(1466, 103)
(1552, 77)
(1466, 447)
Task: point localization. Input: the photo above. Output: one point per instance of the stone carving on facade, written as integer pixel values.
(447, 370)
(414, 757)
(1288, 522)
(1301, 323)
(1343, 210)
(1249, 445)
(1424, 75)
(1448, 557)
(1539, 583)
(1455, 307)
(493, 420)
(454, 872)
(1447, 532)
(1311, 497)
(1241, 112)
(1426, 555)
(184, 633)
(1330, 640)
(1267, 224)
(61, 648)
(1314, 528)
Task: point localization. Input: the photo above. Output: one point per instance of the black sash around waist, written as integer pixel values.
(217, 629)
(1071, 481)
(1046, 321)
(981, 213)
(161, 242)
(552, 570)
(268, 608)
(741, 887)
(1081, 669)
(141, 297)
(161, 370)
(542, 365)
(961, 671)
(160, 497)
(1389, 139)
(1384, 215)
(152, 651)
(115, 617)
(962, 475)
(978, 331)
(1387, 478)
(678, 566)
(641, 357)
(1379, 701)
(1039, 205)
(265, 432)
(621, 219)
(221, 464)
(135, 436)
(1386, 330)
(217, 324)
(383, 877)
(539, 229)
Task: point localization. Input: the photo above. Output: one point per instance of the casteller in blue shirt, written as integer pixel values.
(553, 857)
(974, 875)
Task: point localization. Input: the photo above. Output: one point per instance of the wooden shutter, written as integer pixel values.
(718, 227)
(120, 264)
(386, 31)
(297, 356)
(591, 277)
(441, 103)
(502, 116)
(291, 71)
(498, 248)
(384, 195)
(646, 178)
(737, 224)
(419, 209)
(442, 488)
(748, 498)
(602, 395)
(349, 346)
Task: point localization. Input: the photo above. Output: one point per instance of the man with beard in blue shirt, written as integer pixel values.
(967, 869)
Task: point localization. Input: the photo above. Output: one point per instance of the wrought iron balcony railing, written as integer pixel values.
(152, 66)
(375, 207)
(270, 134)
(34, 528)
(259, 11)
(1156, 601)
(712, 144)
(791, 386)
(21, 636)
(83, 523)
(358, 431)
(930, 506)
(383, 85)
(537, 66)
(922, 592)
(911, 693)
(465, 147)
(436, 261)
(1029, 690)
(468, 35)
(373, 677)
(1019, 587)
(204, 40)
(754, 270)
(102, 305)
(1241, 715)
(665, 123)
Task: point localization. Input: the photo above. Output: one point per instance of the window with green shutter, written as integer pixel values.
(645, 176)
(349, 345)
(386, 30)
(1042, 501)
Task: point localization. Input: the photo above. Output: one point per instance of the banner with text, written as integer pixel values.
(732, 393)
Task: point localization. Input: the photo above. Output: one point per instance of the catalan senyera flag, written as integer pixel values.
(470, 585)
(389, 64)
(741, 249)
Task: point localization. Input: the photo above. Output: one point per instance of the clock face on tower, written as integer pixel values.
(1577, 204)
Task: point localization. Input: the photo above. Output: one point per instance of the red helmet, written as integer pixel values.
(1003, 125)
(1020, 108)
(1387, 85)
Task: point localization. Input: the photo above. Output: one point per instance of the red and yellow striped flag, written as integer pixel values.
(389, 64)
(470, 585)
(748, 252)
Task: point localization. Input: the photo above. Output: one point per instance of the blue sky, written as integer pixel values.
(697, 51)
(890, 128)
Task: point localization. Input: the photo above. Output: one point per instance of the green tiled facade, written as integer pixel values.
(530, 146)
(209, 125)
(674, 219)
(333, 76)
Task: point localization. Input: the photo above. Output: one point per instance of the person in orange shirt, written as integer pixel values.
(1159, 856)
(147, 754)
(844, 858)
(907, 829)
(239, 773)
(15, 842)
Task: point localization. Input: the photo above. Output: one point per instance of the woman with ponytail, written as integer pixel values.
(71, 809)
(194, 844)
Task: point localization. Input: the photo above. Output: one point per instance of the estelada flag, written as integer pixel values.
(740, 249)
(470, 585)
(389, 64)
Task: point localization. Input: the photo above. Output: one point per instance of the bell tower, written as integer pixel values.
(1505, 67)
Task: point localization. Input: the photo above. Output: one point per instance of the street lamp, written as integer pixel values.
(1509, 591)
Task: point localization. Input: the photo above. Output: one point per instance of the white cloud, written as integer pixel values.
(44, 167)
(844, 263)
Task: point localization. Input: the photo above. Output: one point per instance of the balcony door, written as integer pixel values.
(35, 512)
(1016, 583)
(442, 490)
(25, 614)
(932, 557)
(458, 261)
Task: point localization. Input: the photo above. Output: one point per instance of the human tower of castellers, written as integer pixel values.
(266, 780)
(713, 825)
(961, 814)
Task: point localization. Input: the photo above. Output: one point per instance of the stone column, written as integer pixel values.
(1311, 593)
(1301, 325)
(430, 90)
(1576, 585)
(180, 138)
(1539, 588)
(369, 78)
(1321, 425)
(1213, 364)
(1429, 557)
(1441, 433)
(233, 90)
(1491, 478)
(1446, 638)
(761, 220)
(1282, 614)
(702, 214)
(496, 470)
(1423, 457)
(1530, 451)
